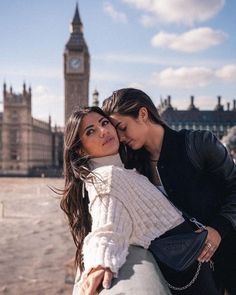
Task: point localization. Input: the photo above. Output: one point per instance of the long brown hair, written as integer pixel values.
(75, 199)
(127, 102)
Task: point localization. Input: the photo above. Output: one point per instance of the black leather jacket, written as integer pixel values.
(199, 176)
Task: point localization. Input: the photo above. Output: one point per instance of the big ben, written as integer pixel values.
(76, 68)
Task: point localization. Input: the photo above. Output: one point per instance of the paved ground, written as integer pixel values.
(35, 243)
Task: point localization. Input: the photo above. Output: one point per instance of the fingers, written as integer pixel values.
(207, 252)
(96, 278)
(107, 279)
(211, 245)
(92, 283)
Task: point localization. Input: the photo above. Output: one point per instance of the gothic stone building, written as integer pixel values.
(218, 120)
(29, 146)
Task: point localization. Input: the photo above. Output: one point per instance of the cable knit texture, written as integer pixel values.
(126, 209)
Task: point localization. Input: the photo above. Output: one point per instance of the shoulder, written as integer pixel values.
(109, 172)
(104, 178)
(204, 141)
(200, 136)
(203, 146)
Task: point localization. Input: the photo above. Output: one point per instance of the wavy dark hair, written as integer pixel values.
(127, 102)
(74, 201)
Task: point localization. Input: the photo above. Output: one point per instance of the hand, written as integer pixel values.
(97, 276)
(212, 243)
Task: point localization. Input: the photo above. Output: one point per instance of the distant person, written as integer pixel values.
(192, 167)
(110, 207)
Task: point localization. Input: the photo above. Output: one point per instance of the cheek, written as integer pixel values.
(89, 145)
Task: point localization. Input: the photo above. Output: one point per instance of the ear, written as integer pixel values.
(143, 114)
(81, 152)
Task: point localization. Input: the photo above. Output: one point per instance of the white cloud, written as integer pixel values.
(178, 11)
(136, 85)
(227, 73)
(193, 77)
(203, 102)
(191, 41)
(114, 14)
(184, 77)
(148, 20)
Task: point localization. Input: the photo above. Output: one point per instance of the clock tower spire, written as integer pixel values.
(76, 67)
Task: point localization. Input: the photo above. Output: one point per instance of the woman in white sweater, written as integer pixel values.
(108, 207)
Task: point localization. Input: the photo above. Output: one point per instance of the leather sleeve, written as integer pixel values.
(208, 154)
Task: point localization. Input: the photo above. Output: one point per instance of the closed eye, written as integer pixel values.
(121, 128)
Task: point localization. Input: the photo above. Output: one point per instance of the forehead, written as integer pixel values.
(90, 119)
(119, 119)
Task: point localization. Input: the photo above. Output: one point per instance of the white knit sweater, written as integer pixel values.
(126, 208)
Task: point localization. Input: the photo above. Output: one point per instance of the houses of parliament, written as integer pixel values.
(32, 147)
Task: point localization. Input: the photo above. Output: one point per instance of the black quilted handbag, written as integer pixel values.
(179, 251)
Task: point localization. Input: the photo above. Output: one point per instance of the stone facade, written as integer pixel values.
(218, 120)
(32, 147)
(26, 143)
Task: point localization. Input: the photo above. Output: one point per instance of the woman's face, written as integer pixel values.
(131, 131)
(98, 136)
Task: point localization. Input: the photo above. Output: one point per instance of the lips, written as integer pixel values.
(108, 140)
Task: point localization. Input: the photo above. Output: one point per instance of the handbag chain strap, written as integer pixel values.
(200, 226)
(190, 283)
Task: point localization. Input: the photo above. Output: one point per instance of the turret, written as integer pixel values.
(234, 105)
(192, 106)
(219, 106)
(24, 88)
(4, 89)
(95, 98)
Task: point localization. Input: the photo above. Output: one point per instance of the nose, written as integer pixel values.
(103, 131)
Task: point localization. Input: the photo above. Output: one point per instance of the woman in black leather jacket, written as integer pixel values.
(192, 167)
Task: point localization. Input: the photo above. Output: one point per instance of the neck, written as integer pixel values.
(154, 140)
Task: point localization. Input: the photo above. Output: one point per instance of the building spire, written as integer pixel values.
(4, 88)
(95, 98)
(76, 24)
(76, 41)
(24, 88)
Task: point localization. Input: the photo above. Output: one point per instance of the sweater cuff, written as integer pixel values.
(222, 225)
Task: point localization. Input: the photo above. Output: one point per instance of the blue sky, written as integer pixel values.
(165, 47)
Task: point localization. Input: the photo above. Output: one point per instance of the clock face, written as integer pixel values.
(75, 63)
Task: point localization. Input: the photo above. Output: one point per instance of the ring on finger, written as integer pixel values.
(208, 245)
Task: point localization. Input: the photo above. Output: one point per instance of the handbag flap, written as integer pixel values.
(180, 251)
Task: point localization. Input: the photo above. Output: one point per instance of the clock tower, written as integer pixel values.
(76, 68)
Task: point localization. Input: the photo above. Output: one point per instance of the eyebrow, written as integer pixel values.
(90, 126)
